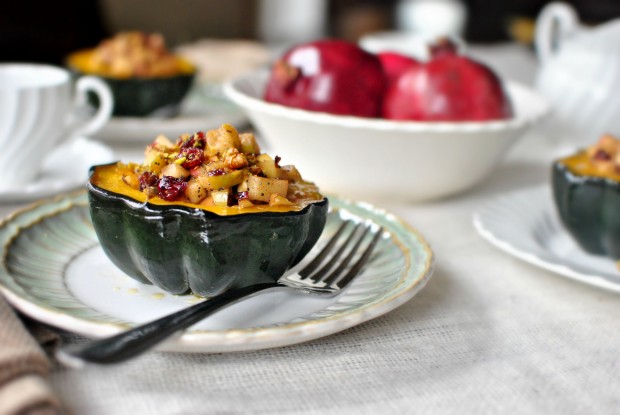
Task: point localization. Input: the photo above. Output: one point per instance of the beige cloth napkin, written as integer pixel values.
(24, 367)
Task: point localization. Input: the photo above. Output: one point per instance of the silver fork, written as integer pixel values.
(325, 275)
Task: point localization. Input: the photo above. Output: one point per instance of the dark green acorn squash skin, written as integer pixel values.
(186, 250)
(589, 208)
(142, 97)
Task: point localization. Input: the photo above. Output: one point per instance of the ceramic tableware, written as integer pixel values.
(53, 269)
(579, 74)
(524, 224)
(38, 110)
(378, 159)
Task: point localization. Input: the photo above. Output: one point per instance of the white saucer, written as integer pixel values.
(524, 223)
(64, 169)
(203, 109)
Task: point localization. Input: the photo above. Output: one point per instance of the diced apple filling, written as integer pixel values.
(175, 170)
(221, 181)
(249, 144)
(195, 192)
(261, 188)
(221, 197)
(218, 168)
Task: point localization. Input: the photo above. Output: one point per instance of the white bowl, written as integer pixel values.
(368, 158)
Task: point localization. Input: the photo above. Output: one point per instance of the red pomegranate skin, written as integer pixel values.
(448, 87)
(332, 76)
(394, 64)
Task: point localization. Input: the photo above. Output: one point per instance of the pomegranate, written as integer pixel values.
(332, 76)
(394, 64)
(449, 87)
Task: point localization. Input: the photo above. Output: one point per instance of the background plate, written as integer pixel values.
(63, 170)
(203, 109)
(524, 224)
(54, 270)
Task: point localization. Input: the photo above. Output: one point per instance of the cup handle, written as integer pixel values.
(104, 112)
(555, 22)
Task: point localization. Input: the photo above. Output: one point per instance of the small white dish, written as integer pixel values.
(54, 270)
(203, 109)
(66, 168)
(524, 224)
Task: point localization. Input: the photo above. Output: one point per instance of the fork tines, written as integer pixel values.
(340, 272)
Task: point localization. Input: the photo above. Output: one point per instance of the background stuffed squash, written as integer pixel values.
(143, 75)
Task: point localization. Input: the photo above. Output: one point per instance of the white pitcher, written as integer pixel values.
(579, 74)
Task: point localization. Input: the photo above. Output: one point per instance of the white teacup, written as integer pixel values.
(38, 106)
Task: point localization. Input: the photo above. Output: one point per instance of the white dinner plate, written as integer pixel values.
(524, 223)
(65, 169)
(203, 109)
(55, 271)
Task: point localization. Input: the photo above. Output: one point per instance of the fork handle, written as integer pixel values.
(132, 342)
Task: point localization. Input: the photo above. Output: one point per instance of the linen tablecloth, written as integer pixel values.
(488, 334)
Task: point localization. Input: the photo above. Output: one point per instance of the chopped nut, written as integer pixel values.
(234, 159)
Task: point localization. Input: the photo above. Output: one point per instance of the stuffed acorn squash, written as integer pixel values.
(205, 214)
(142, 74)
(586, 190)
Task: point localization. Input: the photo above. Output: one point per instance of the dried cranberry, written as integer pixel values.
(193, 157)
(198, 140)
(170, 188)
(147, 179)
(182, 141)
(601, 155)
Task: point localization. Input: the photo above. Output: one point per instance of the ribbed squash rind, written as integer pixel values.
(589, 208)
(188, 250)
